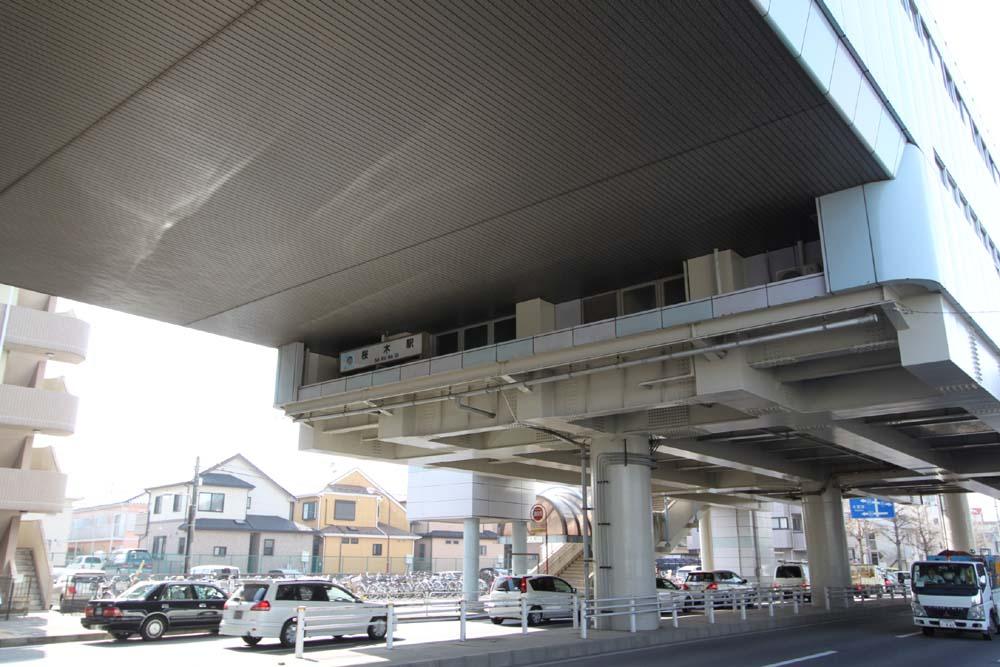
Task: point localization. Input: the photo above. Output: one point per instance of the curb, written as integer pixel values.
(56, 639)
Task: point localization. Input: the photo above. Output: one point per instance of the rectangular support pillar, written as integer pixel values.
(519, 545)
(826, 541)
(470, 560)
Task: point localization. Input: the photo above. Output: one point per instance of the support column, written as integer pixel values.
(956, 512)
(705, 550)
(8, 546)
(519, 545)
(623, 525)
(826, 541)
(470, 560)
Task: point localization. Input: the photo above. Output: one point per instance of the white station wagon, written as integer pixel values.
(267, 608)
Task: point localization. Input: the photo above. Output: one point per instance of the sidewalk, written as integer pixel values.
(436, 644)
(44, 627)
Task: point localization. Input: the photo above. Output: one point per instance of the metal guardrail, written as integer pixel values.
(15, 594)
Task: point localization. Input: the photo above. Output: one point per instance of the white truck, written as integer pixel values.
(956, 590)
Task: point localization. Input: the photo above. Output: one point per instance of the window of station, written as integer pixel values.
(477, 336)
(674, 290)
(638, 299)
(504, 330)
(600, 307)
(446, 343)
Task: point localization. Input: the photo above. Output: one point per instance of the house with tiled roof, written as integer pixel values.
(361, 526)
(243, 518)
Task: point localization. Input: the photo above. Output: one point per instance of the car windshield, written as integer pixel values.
(665, 584)
(138, 591)
(945, 578)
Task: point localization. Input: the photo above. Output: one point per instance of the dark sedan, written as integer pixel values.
(154, 608)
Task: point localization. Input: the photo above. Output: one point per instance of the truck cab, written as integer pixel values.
(956, 590)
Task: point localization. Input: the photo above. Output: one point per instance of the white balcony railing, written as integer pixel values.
(64, 337)
(49, 412)
(31, 490)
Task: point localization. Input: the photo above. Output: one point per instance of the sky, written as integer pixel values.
(154, 396)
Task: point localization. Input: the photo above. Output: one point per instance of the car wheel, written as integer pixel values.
(121, 636)
(377, 628)
(250, 641)
(535, 616)
(991, 628)
(153, 628)
(287, 636)
(928, 632)
(497, 621)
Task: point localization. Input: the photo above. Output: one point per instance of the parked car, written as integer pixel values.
(75, 587)
(215, 571)
(725, 582)
(547, 598)
(154, 608)
(86, 563)
(129, 560)
(791, 574)
(285, 572)
(667, 591)
(266, 608)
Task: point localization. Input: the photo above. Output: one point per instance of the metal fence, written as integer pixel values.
(16, 594)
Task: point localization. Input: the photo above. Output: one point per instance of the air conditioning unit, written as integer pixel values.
(795, 272)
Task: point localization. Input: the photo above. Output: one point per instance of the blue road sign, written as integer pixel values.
(872, 508)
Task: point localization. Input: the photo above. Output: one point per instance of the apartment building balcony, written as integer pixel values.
(32, 490)
(48, 409)
(58, 336)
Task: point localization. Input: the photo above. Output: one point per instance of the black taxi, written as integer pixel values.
(153, 608)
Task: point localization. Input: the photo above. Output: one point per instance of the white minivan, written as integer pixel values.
(546, 598)
(267, 608)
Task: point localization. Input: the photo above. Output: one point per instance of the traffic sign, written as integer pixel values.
(537, 513)
(872, 508)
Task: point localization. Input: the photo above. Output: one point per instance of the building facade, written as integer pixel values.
(441, 547)
(359, 527)
(33, 332)
(104, 529)
(243, 519)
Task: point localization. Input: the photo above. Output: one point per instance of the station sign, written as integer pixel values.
(407, 347)
(537, 513)
(872, 508)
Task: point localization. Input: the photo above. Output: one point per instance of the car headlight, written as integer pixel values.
(976, 613)
(918, 609)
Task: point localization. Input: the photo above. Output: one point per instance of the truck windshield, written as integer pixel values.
(946, 578)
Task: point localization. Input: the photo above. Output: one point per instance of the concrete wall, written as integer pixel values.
(439, 494)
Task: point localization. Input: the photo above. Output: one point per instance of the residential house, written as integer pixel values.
(360, 527)
(440, 547)
(107, 528)
(243, 518)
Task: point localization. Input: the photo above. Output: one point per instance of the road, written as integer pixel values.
(886, 641)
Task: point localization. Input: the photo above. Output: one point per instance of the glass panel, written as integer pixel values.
(600, 307)
(504, 330)
(344, 510)
(477, 336)
(639, 299)
(673, 291)
(447, 343)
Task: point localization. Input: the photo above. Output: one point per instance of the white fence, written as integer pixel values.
(326, 621)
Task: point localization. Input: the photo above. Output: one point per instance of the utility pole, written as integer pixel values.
(899, 543)
(192, 508)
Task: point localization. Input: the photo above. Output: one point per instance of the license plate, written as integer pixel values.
(947, 624)
(237, 614)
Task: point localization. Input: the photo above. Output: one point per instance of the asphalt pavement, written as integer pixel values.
(888, 640)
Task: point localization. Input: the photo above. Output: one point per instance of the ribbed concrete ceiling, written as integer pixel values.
(289, 170)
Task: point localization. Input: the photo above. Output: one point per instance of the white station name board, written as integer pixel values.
(381, 353)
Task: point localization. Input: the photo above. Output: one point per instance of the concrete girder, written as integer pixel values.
(849, 365)
(505, 445)
(353, 444)
(741, 457)
(747, 502)
(517, 471)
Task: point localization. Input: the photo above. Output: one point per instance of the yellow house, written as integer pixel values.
(362, 528)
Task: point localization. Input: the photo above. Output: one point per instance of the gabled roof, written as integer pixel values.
(254, 523)
(373, 490)
(256, 469)
(212, 479)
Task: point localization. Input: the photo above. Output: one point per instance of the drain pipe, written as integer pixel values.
(585, 527)
(871, 318)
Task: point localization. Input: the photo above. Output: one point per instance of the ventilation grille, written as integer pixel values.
(664, 418)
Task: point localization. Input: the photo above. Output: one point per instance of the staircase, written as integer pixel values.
(27, 595)
(573, 573)
(679, 518)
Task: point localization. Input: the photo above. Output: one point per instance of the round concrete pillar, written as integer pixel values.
(470, 560)
(826, 541)
(956, 512)
(519, 545)
(623, 526)
(706, 553)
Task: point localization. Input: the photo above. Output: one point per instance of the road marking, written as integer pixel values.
(909, 634)
(802, 659)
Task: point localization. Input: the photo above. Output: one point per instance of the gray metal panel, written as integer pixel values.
(515, 349)
(633, 324)
(289, 373)
(311, 391)
(739, 302)
(359, 381)
(686, 313)
(797, 289)
(553, 341)
(483, 355)
(449, 362)
(847, 244)
(385, 376)
(414, 370)
(591, 333)
(283, 173)
(334, 387)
